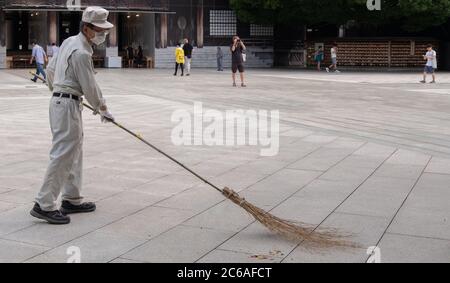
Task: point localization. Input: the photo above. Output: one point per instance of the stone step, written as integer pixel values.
(206, 57)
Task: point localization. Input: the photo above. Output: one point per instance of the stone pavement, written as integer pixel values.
(367, 153)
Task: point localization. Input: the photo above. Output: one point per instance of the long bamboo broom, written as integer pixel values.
(298, 232)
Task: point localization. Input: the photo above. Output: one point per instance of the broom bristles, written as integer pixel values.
(298, 232)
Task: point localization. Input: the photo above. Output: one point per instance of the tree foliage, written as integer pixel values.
(412, 15)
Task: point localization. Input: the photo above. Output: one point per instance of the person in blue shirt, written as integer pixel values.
(38, 54)
(319, 57)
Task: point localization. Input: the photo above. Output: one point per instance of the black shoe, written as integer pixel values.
(68, 208)
(33, 80)
(52, 217)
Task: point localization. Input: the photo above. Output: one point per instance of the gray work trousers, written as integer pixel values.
(66, 156)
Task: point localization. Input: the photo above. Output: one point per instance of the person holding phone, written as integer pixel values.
(237, 59)
(431, 65)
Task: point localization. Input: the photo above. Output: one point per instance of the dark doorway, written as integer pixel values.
(17, 31)
(69, 25)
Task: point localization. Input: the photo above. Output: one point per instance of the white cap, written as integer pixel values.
(97, 16)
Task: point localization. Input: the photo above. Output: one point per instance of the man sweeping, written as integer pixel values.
(70, 77)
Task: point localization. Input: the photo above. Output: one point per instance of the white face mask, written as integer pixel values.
(99, 38)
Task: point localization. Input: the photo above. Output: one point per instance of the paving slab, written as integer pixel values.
(261, 166)
(286, 181)
(20, 196)
(409, 157)
(182, 244)
(408, 249)
(305, 209)
(15, 219)
(5, 206)
(16, 252)
(40, 233)
(439, 166)
(95, 247)
(378, 197)
(148, 223)
(375, 150)
(122, 260)
(346, 142)
(224, 216)
(322, 159)
(349, 255)
(258, 240)
(362, 231)
(426, 213)
(237, 179)
(196, 199)
(399, 171)
(168, 185)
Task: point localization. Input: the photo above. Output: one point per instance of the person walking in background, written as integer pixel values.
(38, 54)
(237, 49)
(130, 56)
(431, 65)
(140, 57)
(334, 52)
(219, 59)
(55, 50)
(319, 57)
(187, 48)
(179, 58)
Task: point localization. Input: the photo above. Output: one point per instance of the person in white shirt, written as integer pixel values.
(55, 50)
(431, 65)
(71, 76)
(333, 65)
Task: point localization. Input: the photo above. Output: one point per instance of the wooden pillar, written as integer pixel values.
(200, 29)
(389, 54)
(2, 40)
(149, 35)
(2, 29)
(413, 48)
(112, 59)
(112, 39)
(164, 23)
(52, 18)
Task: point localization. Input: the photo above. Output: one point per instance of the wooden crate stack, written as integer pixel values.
(363, 54)
(383, 53)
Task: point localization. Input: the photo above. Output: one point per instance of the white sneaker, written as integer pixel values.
(328, 70)
(337, 71)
